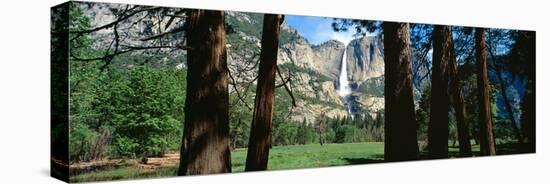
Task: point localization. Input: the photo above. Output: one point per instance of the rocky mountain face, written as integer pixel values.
(313, 69)
(365, 58)
(365, 67)
(317, 70)
(133, 30)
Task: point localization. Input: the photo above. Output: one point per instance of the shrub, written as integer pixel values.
(146, 122)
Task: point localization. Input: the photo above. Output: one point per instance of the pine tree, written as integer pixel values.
(205, 145)
(260, 131)
(400, 141)
(487, 141)
(438, 127)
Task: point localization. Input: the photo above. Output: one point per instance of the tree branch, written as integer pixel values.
(78, 33)
(287, 88)
(284, 82)
(175, 30)
(237, 90)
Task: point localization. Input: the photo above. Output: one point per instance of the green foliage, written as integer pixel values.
(162, 61)
(78, 22)
(152, 111)
(359, 26)
(423, 116)
(248, 23)
(126, 147)
(80, 144)
(286, 37)
(306, 134)
(472, 106)
(128, 172)
(143, 106)
(84, 141)
(349, 133)
(240, 116)
(503, 130)
(285, 133)
(316, 76)
(373, 86)
(330, 136)
(280, 157)
(134, 111)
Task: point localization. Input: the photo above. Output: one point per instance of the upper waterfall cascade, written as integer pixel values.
(344, 87)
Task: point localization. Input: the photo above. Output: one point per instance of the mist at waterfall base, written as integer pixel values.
(345, 88)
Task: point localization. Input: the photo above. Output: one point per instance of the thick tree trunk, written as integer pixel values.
(205, 145)
(400, 124)
(487, 141)
(528, 49)
(59, 90)
(438, 128)
(260, 132)
(465, 147)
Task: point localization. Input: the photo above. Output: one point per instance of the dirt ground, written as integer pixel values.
(170, 159)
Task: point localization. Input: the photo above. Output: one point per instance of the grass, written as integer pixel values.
(280, 157)
(124, 173)
(315, 155)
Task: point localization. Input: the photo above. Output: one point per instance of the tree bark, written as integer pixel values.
(487, 141)
(321, 128)
(465, 147)
(438, 128)
(205, 145)
(400, 124)
(59, 90)
(260, 132)
(527, 46)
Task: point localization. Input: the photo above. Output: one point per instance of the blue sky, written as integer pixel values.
(317, 29)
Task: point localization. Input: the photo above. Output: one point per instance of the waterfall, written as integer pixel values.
(343, 83)
(344, 89)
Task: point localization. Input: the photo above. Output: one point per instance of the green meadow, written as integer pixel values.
(280, 157)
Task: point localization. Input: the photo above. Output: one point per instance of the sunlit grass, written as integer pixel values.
(280, 157)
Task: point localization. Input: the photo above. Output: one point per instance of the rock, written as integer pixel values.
(365, 58)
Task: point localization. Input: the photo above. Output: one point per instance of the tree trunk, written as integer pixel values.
(205, 145)
(438, 128)
(465, 148)
(321, 128)
(400, 124)
(260, 132)
(59, 90)
(322, 132)
(487, 144)
(528, 48)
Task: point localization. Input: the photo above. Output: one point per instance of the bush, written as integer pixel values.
(146, 123)
(330, 136)
(86, 144)
(306, 133)
(285, 134)
(125, 147)
(349, 133)
(80, 142)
